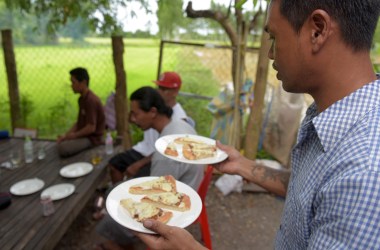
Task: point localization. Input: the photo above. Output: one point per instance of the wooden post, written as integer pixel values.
(11, 70)
(256, 116)
(160, 59)
(121, 104)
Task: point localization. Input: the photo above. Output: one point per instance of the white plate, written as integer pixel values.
(163, 142)
(59, 191)
(28, 186)
(121, 215)
(76, 170)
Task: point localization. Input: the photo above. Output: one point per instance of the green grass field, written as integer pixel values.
(47, 101)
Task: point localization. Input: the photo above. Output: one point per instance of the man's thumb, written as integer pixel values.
(155, 226)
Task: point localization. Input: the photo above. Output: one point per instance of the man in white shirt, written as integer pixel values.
(135, 162)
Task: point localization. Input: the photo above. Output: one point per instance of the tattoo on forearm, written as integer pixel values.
(271, 174)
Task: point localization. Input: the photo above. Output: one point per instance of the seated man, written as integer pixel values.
(136, 161)
(90, 126)
(148, 110)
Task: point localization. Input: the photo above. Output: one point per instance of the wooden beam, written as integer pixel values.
(11, 70)
(121, 104)
(254, 124)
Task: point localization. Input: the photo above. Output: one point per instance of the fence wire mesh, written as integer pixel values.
(48, 104)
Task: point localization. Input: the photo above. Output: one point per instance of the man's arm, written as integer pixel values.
(83, 132)
(64, 137)
(274, 180)
(135, 167)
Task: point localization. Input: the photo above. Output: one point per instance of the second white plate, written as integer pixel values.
(76, 170)
(163, 142)
(59, 191)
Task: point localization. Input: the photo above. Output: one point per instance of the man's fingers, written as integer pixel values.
(223, 147)
(156, 226)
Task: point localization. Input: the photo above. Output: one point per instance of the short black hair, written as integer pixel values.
(148, 98)
(357, 19)
(80, 74)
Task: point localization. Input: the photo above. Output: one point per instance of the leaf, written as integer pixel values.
(240, 4)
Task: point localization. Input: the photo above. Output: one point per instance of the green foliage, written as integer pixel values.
(4, 113)
(170, 17)
(57, 117)
(26, 108)
(100, 14)
(262, 154)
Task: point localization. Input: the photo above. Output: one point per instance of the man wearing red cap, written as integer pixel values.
(135, 162)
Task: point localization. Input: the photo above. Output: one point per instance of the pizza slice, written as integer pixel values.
(160, 184)
(171, 149)
(173, 201)
(141, 211)
(186, 139)
(194, 151)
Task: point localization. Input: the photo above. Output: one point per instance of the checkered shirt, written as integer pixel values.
(333, 198)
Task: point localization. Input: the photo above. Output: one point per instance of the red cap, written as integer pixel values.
(169, 80)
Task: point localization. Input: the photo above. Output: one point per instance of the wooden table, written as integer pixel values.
(22, 224)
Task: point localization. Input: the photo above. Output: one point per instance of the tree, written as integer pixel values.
(100, 14)
(170, 17)
(237, 30)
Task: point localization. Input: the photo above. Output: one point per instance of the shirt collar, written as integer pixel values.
(334, 122)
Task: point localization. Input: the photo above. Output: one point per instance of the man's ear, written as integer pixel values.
(153, 112)
(320, 23)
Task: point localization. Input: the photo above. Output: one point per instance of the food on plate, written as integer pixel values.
(141, 211)
(161, 184)
(174, 201)
(171, 149)
(186, 139)
(194, 151)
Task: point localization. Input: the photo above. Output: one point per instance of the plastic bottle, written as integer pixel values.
(109, 144)
(28, 150)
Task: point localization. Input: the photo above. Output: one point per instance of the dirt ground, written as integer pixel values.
(241, 221)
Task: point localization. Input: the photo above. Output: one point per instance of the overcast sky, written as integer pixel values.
(147, 22)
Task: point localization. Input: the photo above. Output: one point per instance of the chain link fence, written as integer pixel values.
(47, 101)
(48, 104)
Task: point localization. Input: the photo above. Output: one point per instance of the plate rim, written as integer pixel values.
(31, 191)
(60, 184)
(61, 171)
(210, 160)
(137, 226)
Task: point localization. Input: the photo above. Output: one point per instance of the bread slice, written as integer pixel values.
(171, 149)
(141, 211)
(185, 140)
(173, 201)
(193, 151)
(160, 184)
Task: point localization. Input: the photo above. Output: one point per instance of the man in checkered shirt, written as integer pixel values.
(319, 47)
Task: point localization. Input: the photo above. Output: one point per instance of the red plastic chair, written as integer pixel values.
(203, 219)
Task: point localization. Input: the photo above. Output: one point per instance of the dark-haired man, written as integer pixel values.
(89, 128)
(149, 110)
(319, 47)
(135, 162)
